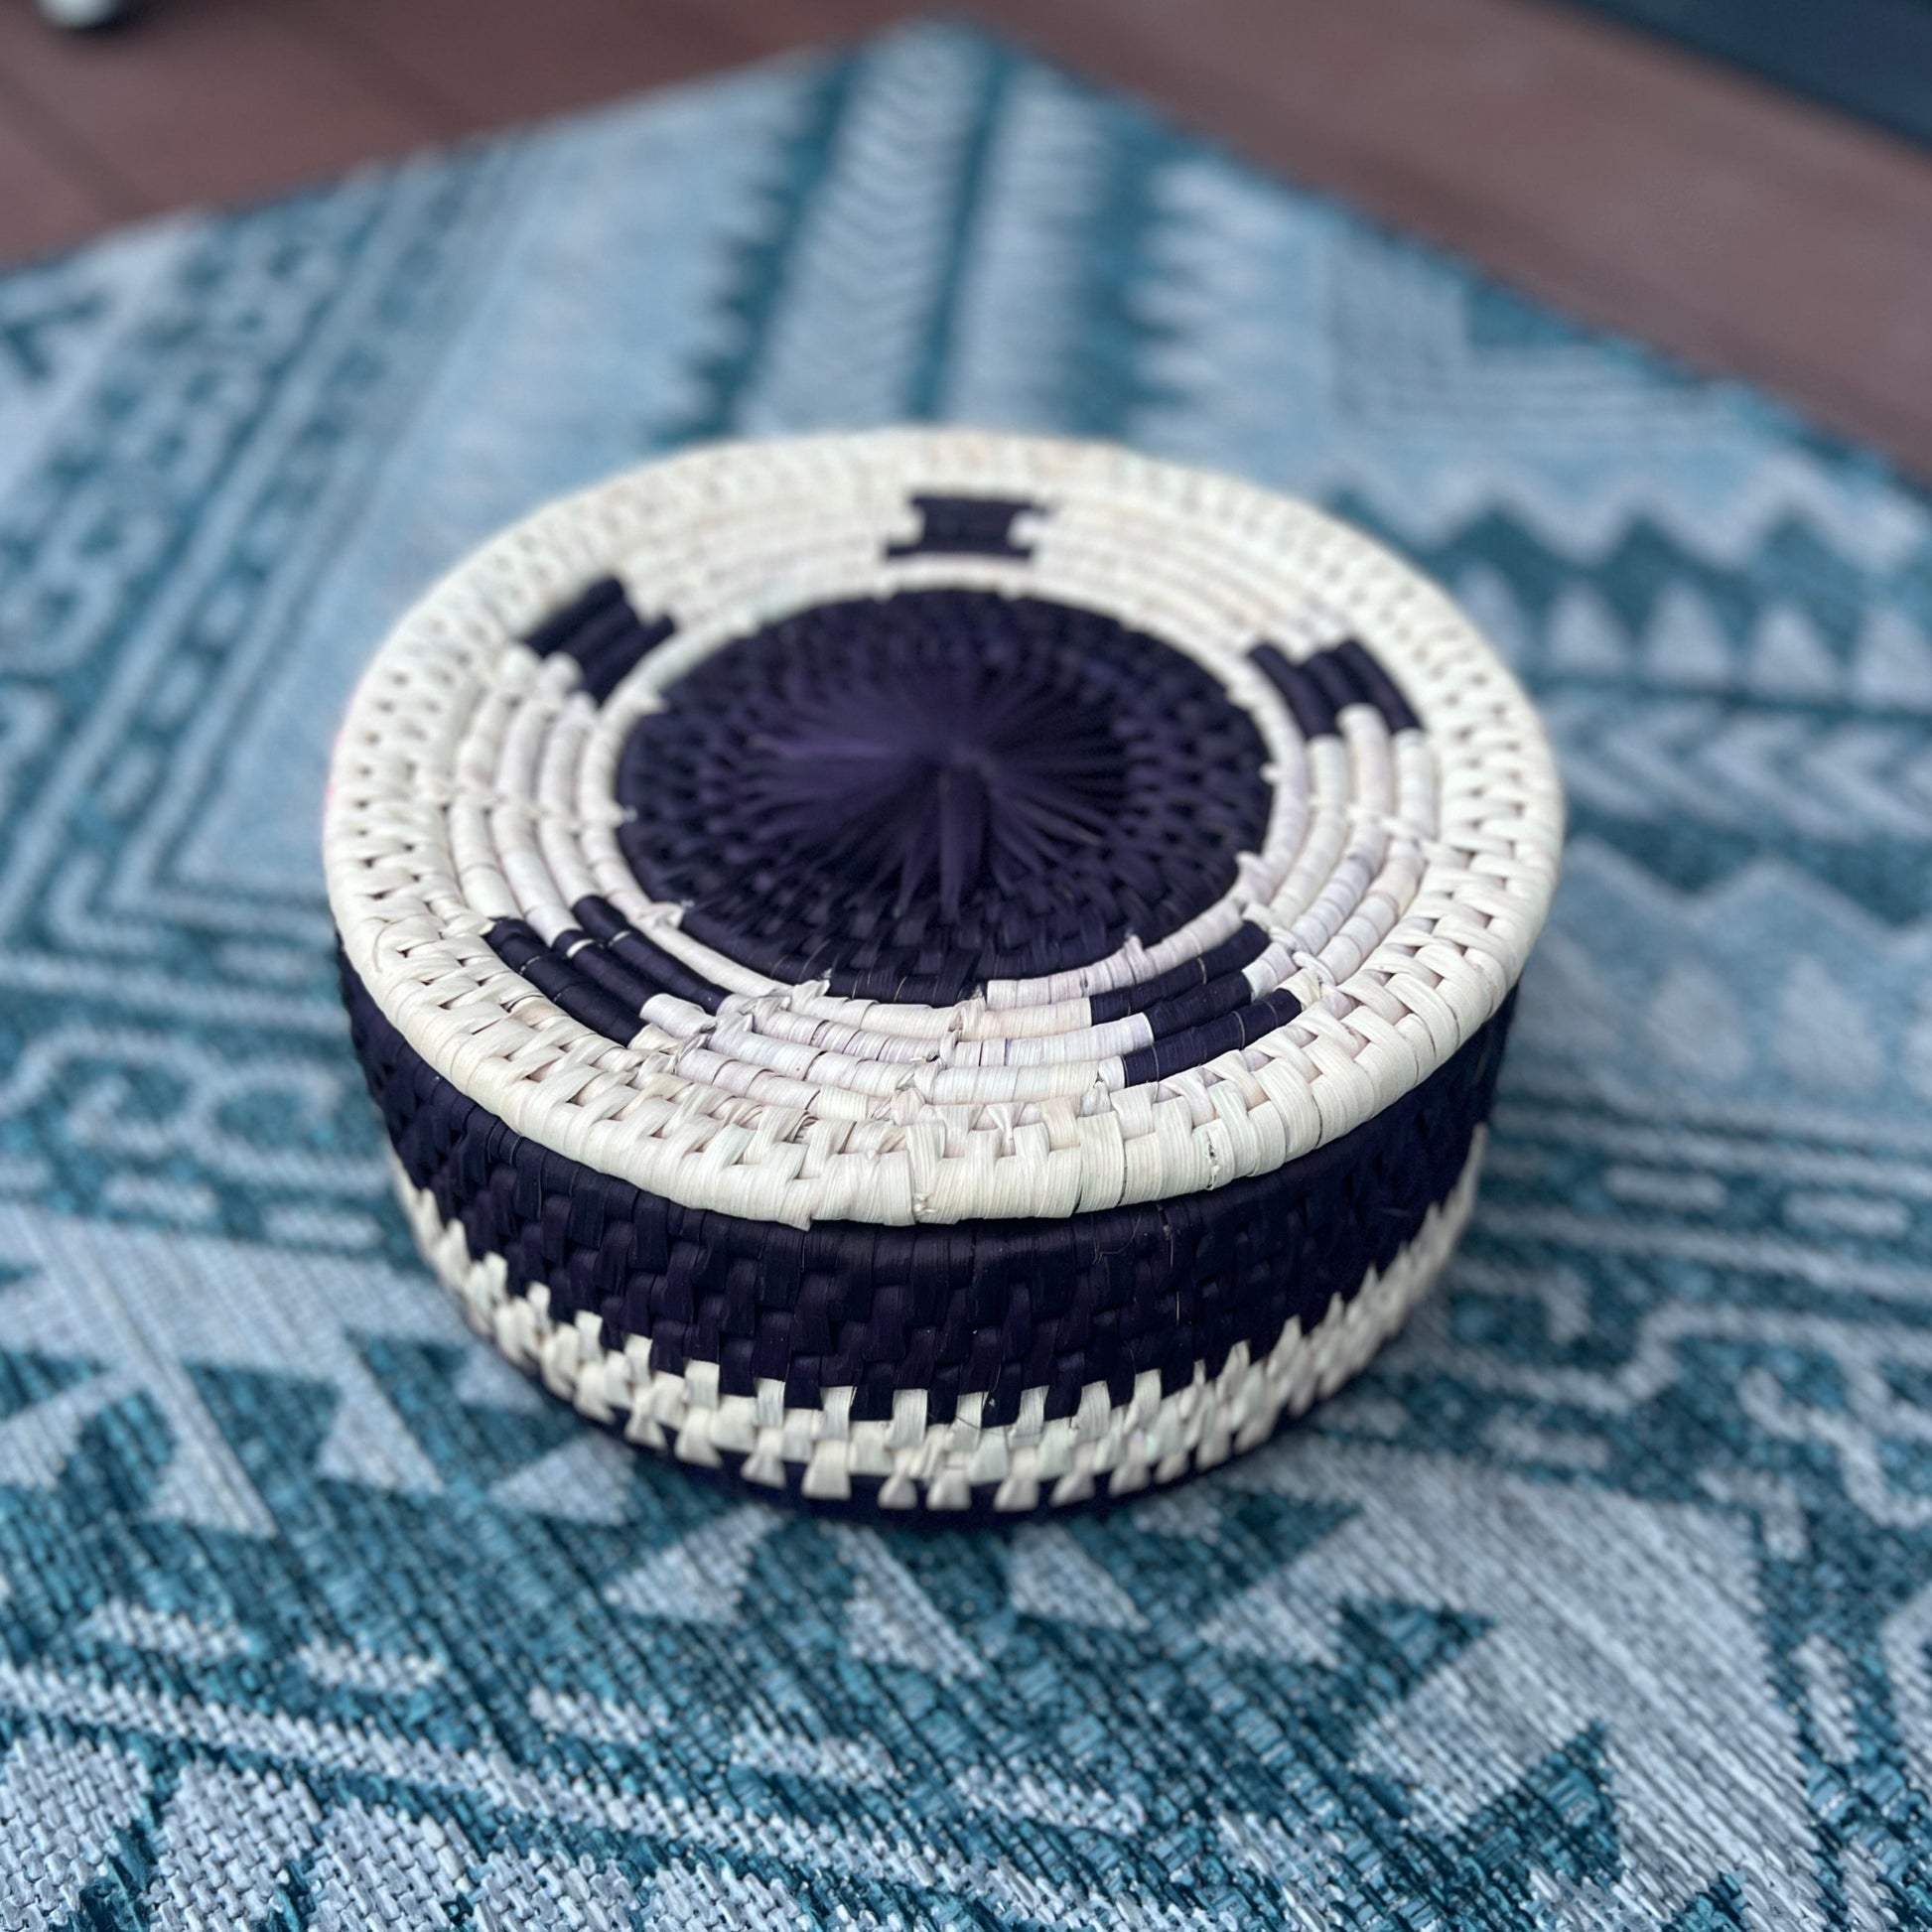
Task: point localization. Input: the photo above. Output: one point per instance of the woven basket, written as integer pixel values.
(935, 971)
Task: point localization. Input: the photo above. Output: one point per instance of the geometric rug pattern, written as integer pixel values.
(1605, 1600)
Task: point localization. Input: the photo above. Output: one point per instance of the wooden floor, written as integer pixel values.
(1633, 184)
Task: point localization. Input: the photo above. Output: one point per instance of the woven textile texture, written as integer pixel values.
(1603, 1599)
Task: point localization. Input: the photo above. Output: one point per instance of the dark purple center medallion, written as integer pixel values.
(909, 796)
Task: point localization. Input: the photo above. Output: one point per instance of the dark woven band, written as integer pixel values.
(992, 1307)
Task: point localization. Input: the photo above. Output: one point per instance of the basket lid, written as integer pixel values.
(921, 826)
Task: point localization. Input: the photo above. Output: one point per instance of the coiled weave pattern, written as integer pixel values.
(930, 969)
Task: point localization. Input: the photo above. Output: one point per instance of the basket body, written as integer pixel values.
(936, 972)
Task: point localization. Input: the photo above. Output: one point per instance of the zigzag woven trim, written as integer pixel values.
(1358, 906)
(1105, 1450)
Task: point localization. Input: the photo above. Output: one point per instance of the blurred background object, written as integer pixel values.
(80, 16)
(1871, 57)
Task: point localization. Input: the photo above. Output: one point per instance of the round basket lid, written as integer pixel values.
(925, 826)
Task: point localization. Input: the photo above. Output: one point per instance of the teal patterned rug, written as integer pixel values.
(1606, 1600)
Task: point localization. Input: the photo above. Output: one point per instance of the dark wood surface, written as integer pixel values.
(1871, 57)
(1635, 185)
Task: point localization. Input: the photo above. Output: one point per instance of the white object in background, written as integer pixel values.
(79, 15)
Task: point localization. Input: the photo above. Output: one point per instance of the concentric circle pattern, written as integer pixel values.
(938, 967)
(909, 796)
